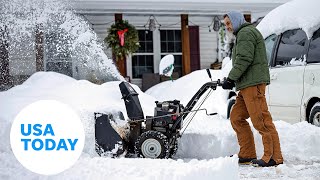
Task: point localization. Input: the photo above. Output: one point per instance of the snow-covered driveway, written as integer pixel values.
(203, 151)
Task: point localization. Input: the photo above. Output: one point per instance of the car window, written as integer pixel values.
(314, 48)
(270, 42)
(291, 46)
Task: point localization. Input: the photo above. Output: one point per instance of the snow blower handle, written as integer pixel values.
(219, 82)
(209, 74)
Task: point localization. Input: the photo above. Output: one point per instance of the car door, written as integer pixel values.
(312, 73)
(286, 76)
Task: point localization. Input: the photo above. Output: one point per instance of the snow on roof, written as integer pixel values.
(173, 7)
(295, 14)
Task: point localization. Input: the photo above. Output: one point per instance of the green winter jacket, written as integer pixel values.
(249, 59)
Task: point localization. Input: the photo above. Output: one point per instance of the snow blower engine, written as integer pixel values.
(151, 136)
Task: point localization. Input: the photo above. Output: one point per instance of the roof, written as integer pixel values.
(172, 7)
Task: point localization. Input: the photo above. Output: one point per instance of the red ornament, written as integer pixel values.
(121, 36)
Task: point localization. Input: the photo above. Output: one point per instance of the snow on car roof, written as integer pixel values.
(295, 14)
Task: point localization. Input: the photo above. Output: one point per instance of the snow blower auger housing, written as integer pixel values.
(151, 136)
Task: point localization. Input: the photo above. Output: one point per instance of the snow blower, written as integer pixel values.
(151, 136)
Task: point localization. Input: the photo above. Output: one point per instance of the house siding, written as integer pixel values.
(208, 40)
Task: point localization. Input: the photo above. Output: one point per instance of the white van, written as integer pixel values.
(293, 51)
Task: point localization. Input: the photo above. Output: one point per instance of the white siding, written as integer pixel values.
(208, 40)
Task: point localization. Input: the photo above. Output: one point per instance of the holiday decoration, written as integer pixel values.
(122, 38)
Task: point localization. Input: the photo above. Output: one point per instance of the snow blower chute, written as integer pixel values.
(151, 136)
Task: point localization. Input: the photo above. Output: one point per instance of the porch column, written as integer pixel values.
(39, 48)
(121, 63)
(4, 56)
(186, 69)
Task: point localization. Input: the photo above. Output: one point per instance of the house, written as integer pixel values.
(183, 28)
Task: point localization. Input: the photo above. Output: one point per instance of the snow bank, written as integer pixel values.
(86, 98)
(203, 151)
(295, 14)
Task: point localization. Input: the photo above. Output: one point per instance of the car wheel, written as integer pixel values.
(314, 117)
(230, 106)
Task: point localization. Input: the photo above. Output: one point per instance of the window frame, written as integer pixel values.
(308, 46)
(275, 53)
(142, 54)
(173, 53)
(274, 49)
(156, 52)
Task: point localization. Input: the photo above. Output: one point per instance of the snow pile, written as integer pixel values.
(295, 62)
(203, 151)
(86, 98)
(295, 14)
(298, 61)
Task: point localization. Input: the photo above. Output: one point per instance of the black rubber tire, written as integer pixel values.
(174, 149)
(155, 140)
(229, 108)
(315, 112)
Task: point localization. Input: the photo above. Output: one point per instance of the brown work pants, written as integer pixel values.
(251, 102)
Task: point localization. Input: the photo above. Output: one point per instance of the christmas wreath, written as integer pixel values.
(122, 38)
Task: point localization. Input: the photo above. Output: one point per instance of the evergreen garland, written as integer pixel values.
(131, 39)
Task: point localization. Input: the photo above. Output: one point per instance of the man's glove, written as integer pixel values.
(228, 84)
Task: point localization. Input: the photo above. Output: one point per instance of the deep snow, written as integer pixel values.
(203, 150)
(295, 14)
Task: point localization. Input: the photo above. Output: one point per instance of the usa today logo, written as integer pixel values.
(47, 137)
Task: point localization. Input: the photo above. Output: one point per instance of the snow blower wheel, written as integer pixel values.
(173, 149)
(152, 144)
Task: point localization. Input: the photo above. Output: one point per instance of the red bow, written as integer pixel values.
(121, 36)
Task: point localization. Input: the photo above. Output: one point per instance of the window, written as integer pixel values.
(291, 46)
(57, 54)
(270, 42)
(171, 44)
(314, 48)
(145, 41)
(142, 61)
(141, 64)
(170, 41)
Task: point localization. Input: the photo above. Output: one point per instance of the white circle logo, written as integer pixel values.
(47, 137)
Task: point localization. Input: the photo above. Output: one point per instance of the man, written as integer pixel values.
(250, 75)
